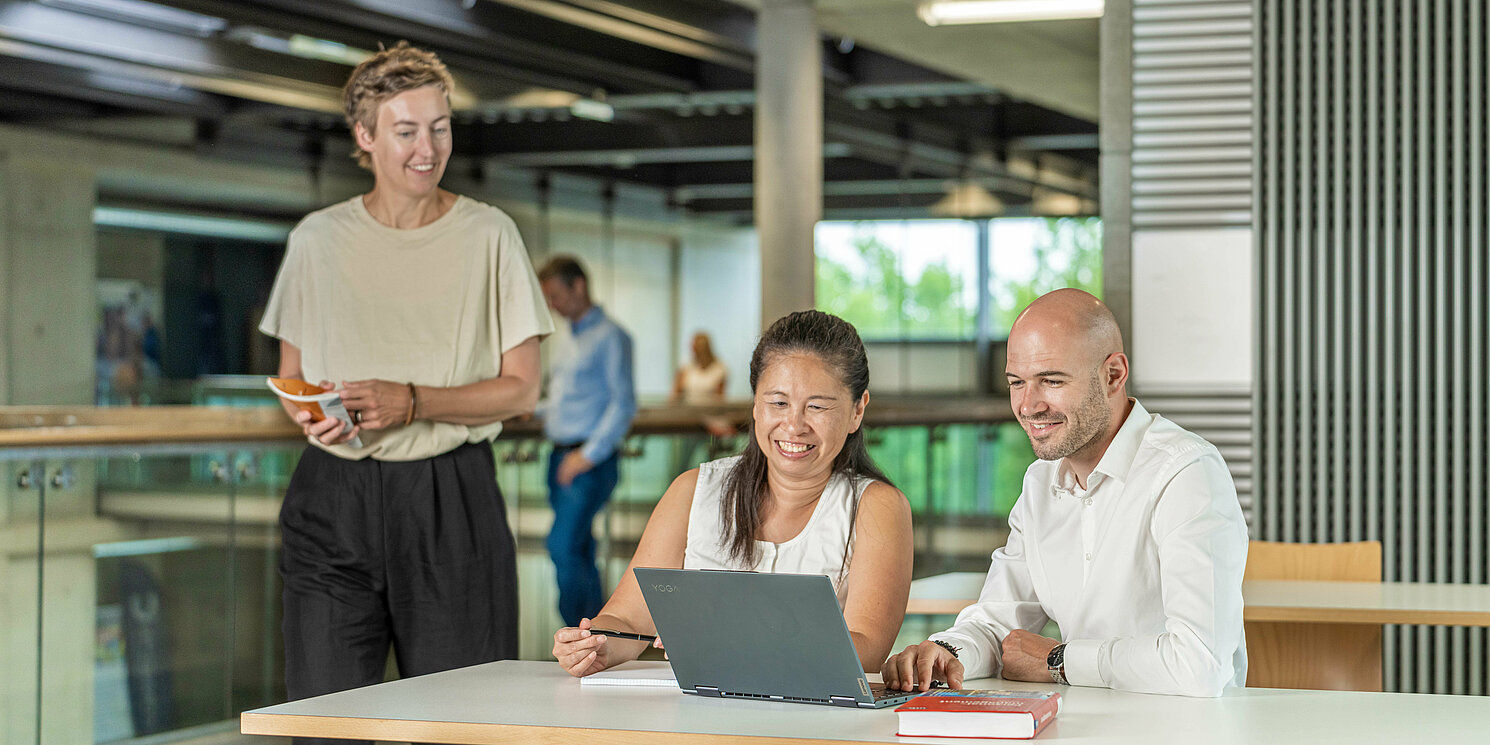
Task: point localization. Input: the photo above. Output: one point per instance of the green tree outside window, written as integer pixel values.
(916, 280)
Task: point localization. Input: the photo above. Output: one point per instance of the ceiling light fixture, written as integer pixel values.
(589, 108)
(1047, 202)
(947, 12)
(968, 200)
(298, 45)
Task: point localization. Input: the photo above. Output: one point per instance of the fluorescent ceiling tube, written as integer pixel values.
(589, 108)
(944, 12)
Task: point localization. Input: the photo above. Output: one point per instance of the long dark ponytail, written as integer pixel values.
(835, 342)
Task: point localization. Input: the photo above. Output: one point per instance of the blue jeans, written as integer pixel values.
(570, 541)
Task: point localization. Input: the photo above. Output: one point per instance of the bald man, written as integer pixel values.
(1127, 534)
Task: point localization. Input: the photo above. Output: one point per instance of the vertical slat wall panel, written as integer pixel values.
(1192, 169)
(1478, 417)
(1369, 408)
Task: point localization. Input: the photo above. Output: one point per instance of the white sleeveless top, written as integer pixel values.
(701, 384)
(818, 549)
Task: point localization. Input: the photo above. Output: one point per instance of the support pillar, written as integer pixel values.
(47, 296)
(788, 154)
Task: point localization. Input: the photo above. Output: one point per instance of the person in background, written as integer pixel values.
(591, 404)
(1128, 534)
(804, 497)
(423, 306)
(702, 379)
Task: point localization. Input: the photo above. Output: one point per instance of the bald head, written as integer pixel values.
(1068, 377)
(1073, 320)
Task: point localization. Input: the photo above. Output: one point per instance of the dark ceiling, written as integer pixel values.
(256, 81)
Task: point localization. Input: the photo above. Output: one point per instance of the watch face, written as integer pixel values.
(1057, 656)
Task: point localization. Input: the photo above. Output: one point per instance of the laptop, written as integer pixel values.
(771, 637)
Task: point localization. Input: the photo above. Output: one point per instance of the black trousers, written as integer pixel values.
(417, 555)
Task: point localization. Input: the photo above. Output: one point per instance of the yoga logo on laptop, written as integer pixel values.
(665, 588)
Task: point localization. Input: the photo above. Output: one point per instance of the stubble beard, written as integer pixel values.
(1086, 427)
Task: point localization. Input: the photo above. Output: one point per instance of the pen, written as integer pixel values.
(625, 635)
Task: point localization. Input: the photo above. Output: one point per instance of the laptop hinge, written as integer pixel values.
(844, 701)
(710, 691)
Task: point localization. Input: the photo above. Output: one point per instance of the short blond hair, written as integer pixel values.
(383, 76)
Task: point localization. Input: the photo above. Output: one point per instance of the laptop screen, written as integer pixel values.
(754, 635)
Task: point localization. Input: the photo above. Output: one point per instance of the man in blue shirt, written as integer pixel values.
(591, 404)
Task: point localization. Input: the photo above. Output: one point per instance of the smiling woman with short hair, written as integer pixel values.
(804, 497)
(422, 307)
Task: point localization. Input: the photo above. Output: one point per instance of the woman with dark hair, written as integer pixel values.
(804, 497)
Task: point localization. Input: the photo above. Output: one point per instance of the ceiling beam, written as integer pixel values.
(628, 157)
(644, 28)
(80, 42)
(99, 88)
(1055, 142)
(462, 41)
(1053, 64)
(853, 188)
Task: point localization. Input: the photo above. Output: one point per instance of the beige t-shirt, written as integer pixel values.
(436, 305)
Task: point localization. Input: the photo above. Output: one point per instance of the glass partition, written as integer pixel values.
(140, 595)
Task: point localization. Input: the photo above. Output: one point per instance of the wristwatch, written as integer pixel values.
(1056, 663)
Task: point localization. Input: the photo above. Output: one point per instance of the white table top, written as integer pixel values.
(1282, 600)
(1368, 602)
(537, 702)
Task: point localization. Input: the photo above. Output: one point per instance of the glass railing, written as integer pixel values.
(139, 591)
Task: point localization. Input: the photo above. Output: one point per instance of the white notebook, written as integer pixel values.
(646, 674)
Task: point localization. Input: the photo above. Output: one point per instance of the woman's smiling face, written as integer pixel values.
(803, 414)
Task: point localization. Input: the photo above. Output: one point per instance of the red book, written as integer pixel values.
(1002, 714)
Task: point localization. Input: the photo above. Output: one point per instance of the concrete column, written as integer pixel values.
(47, 295)
(47, 309)
(788, 153)
(1117, 162)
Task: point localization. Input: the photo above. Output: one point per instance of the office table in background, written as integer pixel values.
(537, 702)
(1280, 600)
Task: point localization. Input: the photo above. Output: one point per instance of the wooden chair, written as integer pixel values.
(1330, 656)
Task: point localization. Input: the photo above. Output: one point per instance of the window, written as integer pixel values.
(1030, 256)
(900, 279)
(916, 281)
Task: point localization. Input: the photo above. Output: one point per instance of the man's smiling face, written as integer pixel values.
(1056, 391)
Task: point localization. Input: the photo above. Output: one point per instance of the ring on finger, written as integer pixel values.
(357, 416)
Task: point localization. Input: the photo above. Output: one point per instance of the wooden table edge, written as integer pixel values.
(1373, 616)
(935, 606)
(486, 733)
(1287, 614)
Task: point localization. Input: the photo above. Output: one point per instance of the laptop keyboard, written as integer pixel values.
(880, 692)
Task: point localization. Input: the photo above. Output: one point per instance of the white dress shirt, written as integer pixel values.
(1142, 570)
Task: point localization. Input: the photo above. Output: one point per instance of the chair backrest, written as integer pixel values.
(1333, 656)
(1339, 562)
